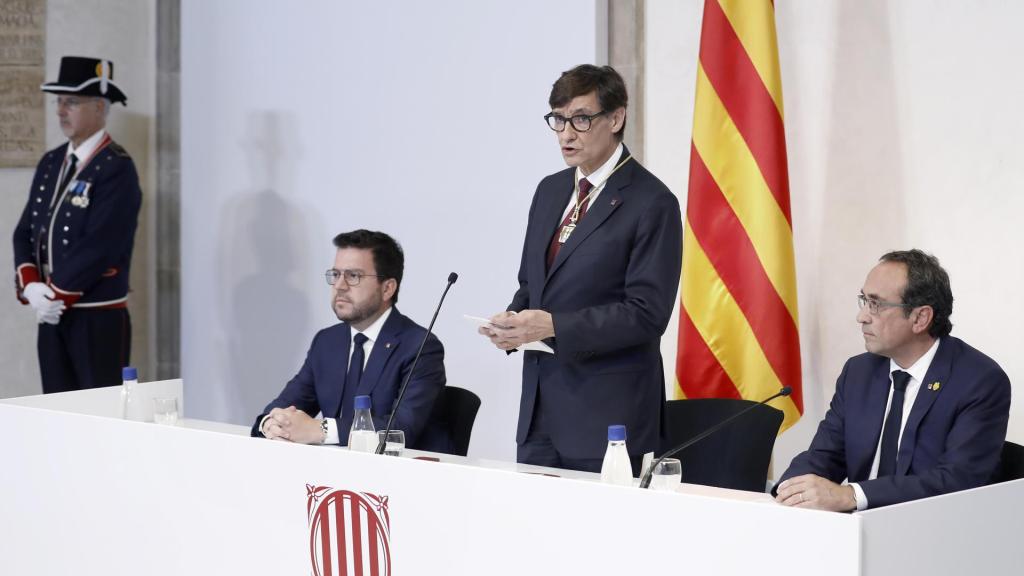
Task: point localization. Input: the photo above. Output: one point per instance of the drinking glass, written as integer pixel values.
(395, 442)
(667, 475)
(165, 410)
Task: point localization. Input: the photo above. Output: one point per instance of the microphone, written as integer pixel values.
(401, 391)
(645, 482)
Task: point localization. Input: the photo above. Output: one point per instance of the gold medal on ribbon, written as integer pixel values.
(563, 237)
(567, 230)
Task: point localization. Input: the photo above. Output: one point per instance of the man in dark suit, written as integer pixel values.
(73, 243)
(920, 414)
(597, 283)
(370, 353)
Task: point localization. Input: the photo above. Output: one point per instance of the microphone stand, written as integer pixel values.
(401, 391)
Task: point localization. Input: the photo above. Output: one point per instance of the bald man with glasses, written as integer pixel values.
(920, 414)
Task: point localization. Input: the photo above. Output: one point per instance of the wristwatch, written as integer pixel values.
(323, 428)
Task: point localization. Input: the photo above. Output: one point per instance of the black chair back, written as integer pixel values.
(737, 456)
(455, 410)
(1011, 463)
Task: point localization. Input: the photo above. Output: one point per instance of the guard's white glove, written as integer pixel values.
(50, 312)
(37, 294)
(40, 296)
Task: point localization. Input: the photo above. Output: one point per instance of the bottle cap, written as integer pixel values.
(617, 433)
(362, 402)
(129, 373)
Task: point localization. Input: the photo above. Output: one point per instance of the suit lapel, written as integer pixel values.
(331, 405)
(607, 202)
(387, 341)
(871, 425)
(937, 372)
(549, 217)
(556, 200)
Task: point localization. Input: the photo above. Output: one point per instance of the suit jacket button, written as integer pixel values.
(64, 241)
(66, 228)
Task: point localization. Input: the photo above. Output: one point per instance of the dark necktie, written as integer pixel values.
(891, 430)
(72, 163)
(355, 374)
(555, 245)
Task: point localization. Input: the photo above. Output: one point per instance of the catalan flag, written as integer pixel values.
(738, 326)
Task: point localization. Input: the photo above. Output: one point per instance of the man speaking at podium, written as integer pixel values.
(920, 414)
(369, 353)
(597, 283)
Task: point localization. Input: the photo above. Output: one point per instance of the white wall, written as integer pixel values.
(421, 119)
(903, 130)
(122, 31)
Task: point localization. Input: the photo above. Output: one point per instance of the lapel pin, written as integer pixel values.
(387, 345)
(934, 386)
(615, 201)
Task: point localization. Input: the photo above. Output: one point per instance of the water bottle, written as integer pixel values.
(131, 402)
(616, 468)
(362, 437)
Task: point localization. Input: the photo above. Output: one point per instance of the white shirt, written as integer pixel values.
(88, 146)
(372, 332)
(84, 151)
(918, 370)
(597, 178)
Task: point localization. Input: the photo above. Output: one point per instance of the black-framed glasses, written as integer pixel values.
(875, 306)
(580, 122)
(352, 277)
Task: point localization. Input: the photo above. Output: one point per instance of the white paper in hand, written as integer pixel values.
(537, 346)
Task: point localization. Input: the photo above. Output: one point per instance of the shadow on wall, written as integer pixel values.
(261, 268)
(863, 210)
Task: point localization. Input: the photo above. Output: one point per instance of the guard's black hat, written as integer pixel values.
(86, 77)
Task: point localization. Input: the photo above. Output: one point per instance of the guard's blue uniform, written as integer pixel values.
(79, 241)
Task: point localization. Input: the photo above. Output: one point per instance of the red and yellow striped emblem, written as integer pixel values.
(738, 326)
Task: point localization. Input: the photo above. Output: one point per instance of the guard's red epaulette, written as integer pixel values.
(118, 150)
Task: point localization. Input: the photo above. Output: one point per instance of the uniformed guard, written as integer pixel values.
(73, 243)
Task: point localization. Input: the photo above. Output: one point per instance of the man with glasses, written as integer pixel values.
(369, 353)
(597, 284)
(920, 414)
(73, 243)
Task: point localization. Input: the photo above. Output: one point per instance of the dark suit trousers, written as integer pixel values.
(87, 349)
(539, 450)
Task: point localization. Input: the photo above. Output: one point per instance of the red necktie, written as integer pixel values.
(555, 245)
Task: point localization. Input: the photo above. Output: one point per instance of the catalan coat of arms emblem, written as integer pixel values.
(349, 532)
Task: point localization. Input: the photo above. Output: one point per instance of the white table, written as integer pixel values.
(85, 492)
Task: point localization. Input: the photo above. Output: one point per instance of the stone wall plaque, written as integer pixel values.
(22, 69)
